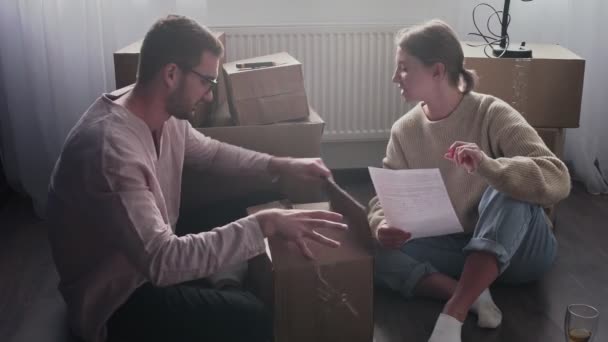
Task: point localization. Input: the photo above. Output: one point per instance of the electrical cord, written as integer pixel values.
(492, 39)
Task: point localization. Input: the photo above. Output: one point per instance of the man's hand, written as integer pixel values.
(465, 154)
(298, 225)
(302, 168)
(390, 237)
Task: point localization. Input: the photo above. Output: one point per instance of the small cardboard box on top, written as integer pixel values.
(546, 89)
(323, 300)
(266, 94)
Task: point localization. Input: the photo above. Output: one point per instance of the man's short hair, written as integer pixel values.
(175, 39)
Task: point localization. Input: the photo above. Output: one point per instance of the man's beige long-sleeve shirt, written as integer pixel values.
(113, 204)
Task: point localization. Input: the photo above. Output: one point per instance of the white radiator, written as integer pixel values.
(347, 72)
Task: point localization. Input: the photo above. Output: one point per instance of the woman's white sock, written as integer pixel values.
(447, 329)
(488, 314)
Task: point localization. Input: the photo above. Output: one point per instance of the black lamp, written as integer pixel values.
(503, 50)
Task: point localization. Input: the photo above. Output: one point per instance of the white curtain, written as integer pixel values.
(587, 146)
(55, 60)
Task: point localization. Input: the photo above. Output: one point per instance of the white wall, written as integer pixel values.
(528, 18)
(282, 12)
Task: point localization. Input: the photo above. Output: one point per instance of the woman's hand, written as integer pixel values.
(465, 154)
(390, 237)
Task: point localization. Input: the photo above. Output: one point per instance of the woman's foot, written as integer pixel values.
(447, 329)
(488, 314)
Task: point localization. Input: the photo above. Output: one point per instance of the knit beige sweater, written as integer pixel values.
(517, 162)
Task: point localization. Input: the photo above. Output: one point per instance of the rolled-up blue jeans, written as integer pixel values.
(516, 232)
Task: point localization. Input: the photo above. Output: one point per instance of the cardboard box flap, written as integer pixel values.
(284, 78)
(312, 206)
(345, 204)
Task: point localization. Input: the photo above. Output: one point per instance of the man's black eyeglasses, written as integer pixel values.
(211, 80)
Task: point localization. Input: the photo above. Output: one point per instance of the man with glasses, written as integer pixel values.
(114, 202)
(206, 79)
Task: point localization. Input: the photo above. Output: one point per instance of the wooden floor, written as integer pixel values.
(32, 310)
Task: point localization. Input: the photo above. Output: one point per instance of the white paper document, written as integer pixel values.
(415, 201)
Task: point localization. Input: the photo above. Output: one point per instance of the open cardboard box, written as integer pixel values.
(330, 298)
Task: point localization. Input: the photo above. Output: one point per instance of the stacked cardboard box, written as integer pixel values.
(546, 89)
(270, 115)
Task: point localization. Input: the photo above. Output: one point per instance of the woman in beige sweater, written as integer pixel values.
(498, 174)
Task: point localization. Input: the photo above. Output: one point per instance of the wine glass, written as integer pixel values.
(580, 324)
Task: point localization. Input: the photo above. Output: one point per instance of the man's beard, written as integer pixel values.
(177, 106)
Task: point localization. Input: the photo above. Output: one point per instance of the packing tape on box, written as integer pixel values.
(521, 78)
(330, 296)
